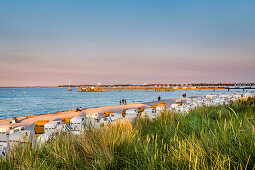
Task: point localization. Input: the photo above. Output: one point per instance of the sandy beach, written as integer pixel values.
(28, 121)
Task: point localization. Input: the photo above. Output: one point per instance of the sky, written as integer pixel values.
(46, 43)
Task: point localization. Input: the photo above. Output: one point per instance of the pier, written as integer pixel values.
(158, 89)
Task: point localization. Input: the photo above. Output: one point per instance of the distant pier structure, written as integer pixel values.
(167, 87)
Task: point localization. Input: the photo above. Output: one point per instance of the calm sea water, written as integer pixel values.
(14, 102)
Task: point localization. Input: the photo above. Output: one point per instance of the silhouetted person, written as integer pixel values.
(125, 101)
(159, 98)
(184, 95)
(120, 102)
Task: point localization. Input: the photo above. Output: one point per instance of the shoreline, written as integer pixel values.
(29, 120)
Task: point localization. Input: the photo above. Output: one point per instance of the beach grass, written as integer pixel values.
(215, 137)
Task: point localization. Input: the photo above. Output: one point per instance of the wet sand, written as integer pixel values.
(28, 121)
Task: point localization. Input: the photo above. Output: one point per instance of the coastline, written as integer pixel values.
(29, 120)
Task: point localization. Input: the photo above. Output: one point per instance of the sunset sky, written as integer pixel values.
(46, 42)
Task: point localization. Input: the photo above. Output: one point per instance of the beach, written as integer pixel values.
(29, 120)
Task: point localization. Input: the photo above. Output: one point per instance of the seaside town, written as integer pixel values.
(139, 85)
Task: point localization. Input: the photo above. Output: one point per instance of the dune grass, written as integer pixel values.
(216, 137)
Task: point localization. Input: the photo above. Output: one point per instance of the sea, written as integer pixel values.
(16, 102)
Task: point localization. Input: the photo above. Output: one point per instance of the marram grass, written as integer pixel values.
(216, 137)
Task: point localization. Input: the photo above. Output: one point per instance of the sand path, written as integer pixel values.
(28, 121)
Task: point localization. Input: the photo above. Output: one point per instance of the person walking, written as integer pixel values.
(159, 98)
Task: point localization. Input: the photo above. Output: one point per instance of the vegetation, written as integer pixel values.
(216, 137)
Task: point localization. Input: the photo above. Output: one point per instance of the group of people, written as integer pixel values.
(123, 101)
(78, 109)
